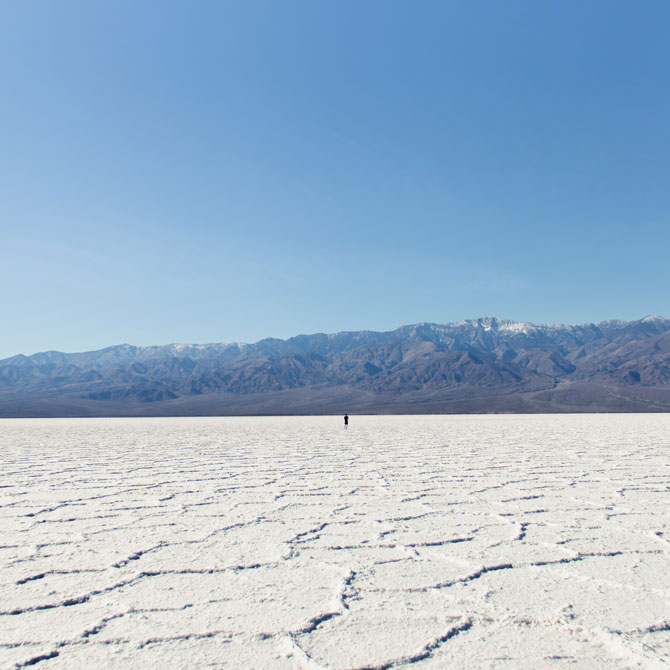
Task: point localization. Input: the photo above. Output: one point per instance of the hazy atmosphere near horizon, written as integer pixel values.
(229, 171)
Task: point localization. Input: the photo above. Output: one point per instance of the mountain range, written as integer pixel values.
(479, 365)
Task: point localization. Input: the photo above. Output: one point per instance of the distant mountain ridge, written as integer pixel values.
(479, 365)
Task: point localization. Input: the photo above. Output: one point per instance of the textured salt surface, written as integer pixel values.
(464, 542)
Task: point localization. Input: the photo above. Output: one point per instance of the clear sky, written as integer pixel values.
(227, 171)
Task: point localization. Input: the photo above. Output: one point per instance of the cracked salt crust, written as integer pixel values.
(466, 542)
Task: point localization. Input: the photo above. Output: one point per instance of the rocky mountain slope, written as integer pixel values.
(481, 365)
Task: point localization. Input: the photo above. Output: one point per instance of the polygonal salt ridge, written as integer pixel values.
(561, 602)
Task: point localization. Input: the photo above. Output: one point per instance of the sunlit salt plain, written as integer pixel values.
(436, 542)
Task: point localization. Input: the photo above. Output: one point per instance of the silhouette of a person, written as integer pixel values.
(346, 420)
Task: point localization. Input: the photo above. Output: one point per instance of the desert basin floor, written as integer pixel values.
(431, 541)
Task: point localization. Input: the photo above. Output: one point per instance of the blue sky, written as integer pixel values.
(227, 171)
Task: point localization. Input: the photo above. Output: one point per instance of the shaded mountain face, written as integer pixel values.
(486, 364)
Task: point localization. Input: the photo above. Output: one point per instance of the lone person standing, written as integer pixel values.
(346, 420)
